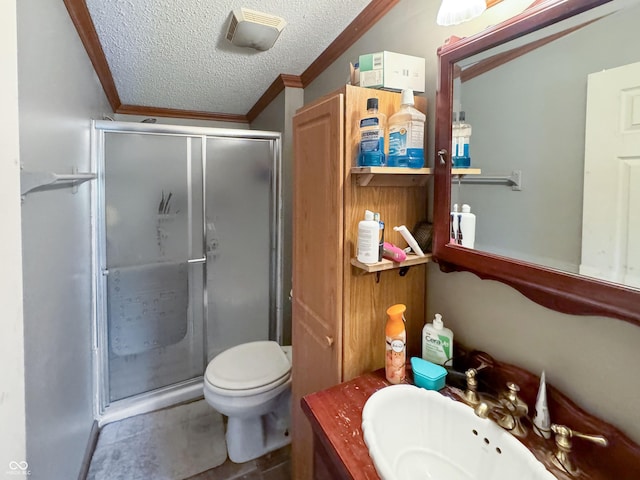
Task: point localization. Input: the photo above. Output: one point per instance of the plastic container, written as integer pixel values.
(427, 374)
(393, 253)
(402, 230)
(372, 129)
(437, 342)
(396, 344)
(368, 234)
(406, 134)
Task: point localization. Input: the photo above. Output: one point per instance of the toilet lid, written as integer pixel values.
(247, 366)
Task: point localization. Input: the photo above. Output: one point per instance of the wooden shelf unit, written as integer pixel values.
(385, 264)
(391, 176)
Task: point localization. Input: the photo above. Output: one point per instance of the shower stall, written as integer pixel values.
(187, 256)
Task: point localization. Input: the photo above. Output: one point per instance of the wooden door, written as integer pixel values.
(318, 173)
(611, 212)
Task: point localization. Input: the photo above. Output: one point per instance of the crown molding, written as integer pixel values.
(178, 113)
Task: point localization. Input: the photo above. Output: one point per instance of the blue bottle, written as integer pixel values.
(406, 134)
(372, 129)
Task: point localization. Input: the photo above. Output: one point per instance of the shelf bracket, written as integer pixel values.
(365, 179)
(30, 181)
(514, 180)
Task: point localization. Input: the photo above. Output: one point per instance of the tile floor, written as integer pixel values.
(272, 466)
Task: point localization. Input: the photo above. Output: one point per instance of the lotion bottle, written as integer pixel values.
(437, 342)
(368, 234)
(467, 227)
(396, 344)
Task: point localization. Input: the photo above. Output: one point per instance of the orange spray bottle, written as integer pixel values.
(396, 345)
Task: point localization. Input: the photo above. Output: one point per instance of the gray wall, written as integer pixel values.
(12, 415)
(278, 117)
(58, 95)
(586, 357)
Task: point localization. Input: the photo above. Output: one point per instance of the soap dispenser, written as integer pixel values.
(437, 342)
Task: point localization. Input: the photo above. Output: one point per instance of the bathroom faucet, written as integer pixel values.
(471, 393)
(508, 412)
(561, 457)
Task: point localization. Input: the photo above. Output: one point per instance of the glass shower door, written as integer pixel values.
(154, 259)
(242, 240)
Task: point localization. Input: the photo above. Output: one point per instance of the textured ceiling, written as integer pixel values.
(174, 54)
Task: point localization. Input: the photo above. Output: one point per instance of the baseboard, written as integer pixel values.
(91, 447)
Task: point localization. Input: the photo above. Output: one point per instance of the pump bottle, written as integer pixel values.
(396, 344)
(437, 342)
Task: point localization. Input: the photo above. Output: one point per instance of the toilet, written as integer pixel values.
(251, 384)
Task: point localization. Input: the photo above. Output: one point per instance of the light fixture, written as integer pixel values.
(453, 12)
(253, 29)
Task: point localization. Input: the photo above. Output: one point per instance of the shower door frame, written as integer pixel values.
(104, 410)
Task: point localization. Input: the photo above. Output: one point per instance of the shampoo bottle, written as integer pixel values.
(437, 342)
(368, 234)
(396, 344)
(372, 129)
(406, 134)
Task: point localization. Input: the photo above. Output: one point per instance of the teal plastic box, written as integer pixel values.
(428, 375)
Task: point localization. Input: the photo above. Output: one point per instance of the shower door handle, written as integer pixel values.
(197, 260)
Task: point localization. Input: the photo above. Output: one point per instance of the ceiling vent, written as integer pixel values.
(249, 28)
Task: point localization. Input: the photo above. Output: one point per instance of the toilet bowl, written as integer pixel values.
(251, 384)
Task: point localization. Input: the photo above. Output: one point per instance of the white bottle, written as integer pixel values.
(437, 342)
(368, 235)
(467, 227)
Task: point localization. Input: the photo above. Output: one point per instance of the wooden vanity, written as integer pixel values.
(335, 415)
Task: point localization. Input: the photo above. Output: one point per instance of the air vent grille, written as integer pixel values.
(232, 27)
(262, 18)
(249, 28)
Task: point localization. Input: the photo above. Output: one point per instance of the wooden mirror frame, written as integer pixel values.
(565, 292)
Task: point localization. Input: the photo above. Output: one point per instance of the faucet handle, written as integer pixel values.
(563, 441)
(513, 410)
(564, 434)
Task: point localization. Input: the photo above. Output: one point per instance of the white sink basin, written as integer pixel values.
(413, 433)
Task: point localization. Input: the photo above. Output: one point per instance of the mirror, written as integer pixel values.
(545, 115)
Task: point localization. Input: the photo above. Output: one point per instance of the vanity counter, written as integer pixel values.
(335, 415)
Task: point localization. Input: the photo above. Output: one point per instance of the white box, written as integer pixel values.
(392, 71)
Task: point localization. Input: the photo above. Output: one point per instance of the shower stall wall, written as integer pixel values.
(187, 261)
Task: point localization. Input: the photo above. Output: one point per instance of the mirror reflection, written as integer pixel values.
(560, 108)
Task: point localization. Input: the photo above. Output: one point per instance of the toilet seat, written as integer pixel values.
(248, 369)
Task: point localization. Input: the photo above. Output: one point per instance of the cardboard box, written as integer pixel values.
(392, 71)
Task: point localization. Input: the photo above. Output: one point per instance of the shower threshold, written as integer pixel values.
(150, 401)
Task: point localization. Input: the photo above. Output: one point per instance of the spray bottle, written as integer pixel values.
(396, 345)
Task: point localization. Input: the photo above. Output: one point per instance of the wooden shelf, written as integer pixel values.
(389, 265)
(391, 176)
(465, 171)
